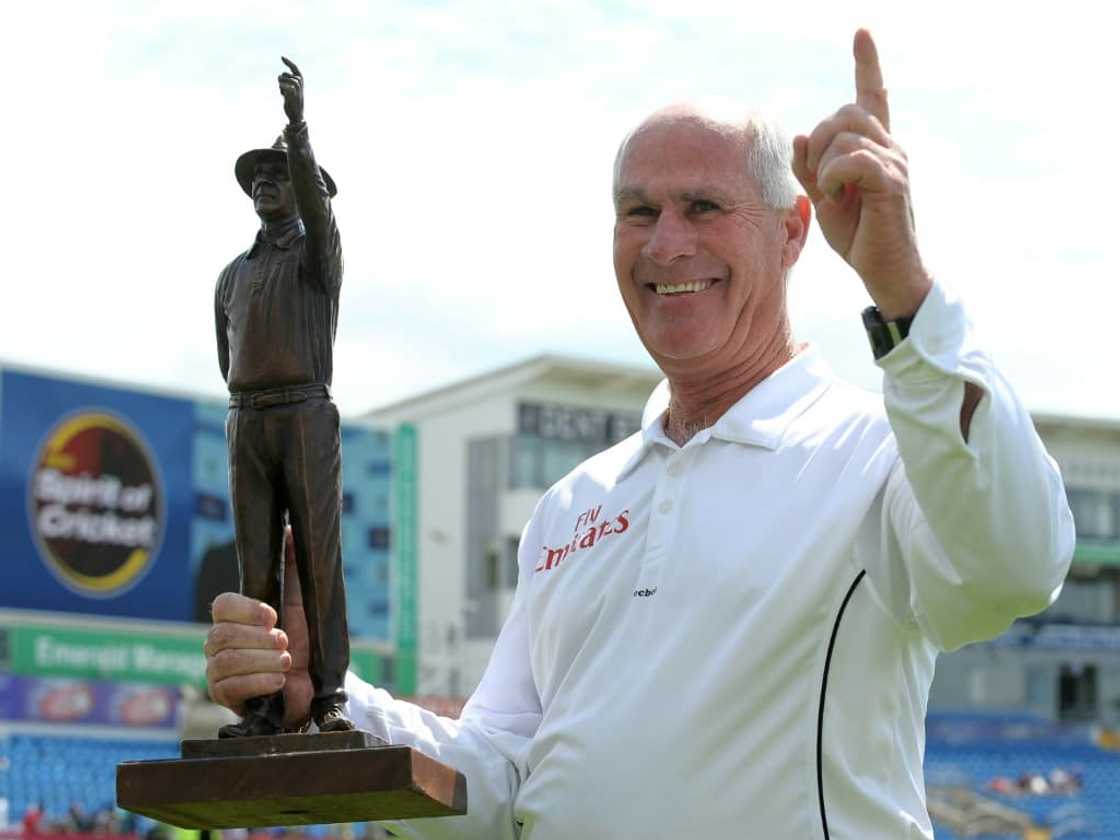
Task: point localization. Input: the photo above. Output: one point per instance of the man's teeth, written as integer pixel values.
(681, 288)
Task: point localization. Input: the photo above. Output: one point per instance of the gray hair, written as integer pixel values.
(769, 154)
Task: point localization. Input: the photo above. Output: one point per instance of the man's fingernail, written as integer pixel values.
(282, 638)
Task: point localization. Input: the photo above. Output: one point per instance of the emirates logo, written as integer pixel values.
(590, 528)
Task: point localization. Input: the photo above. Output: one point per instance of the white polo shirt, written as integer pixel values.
(735, 638)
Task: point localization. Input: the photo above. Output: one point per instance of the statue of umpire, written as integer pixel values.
(276, 312)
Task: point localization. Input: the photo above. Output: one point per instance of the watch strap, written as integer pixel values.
(884, 335)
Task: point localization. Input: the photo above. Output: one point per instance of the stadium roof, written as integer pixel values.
(572, 370)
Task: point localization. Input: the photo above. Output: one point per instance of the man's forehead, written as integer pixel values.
(682, 156)
(686, 140)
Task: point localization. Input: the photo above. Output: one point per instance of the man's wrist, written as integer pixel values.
(903, 299)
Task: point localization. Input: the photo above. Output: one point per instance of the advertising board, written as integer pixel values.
(94, 497)
(89, 702)
(114, 501)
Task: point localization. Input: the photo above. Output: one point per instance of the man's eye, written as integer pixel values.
(642, 210)
(702, 205)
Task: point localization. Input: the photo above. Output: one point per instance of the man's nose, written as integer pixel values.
(673, 237)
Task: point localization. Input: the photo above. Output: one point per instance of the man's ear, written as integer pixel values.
(796, 225)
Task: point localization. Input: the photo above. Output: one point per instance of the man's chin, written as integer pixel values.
(679, 349)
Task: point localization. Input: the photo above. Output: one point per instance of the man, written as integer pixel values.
(744, 646)
(276, 311)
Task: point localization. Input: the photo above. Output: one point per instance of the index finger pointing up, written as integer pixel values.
(292, 66)
(870, 93)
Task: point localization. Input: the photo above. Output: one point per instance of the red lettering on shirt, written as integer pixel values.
(553, 556)
(587, 518)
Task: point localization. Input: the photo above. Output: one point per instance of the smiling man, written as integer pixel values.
(744, 647)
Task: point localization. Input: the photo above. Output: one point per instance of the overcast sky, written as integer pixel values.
(472, 143)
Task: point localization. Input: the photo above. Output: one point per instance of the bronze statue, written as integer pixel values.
(276, 312)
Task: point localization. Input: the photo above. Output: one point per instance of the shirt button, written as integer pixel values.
(666, 506)
(674, 469)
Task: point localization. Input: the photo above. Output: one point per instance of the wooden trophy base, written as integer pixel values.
(281, 780)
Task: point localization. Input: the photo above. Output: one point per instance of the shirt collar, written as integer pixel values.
(283, 238)
(760, 417)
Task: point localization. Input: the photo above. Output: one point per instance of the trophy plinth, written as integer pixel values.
(283, 780)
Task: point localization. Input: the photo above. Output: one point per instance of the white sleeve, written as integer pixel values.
(980, 529)
(488, 744)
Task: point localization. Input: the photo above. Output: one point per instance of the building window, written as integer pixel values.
(493, 567)
(378, 539)
(1095, 513)
(1085, 601)
(1077, 693)
(524, 462)
(552, 440)
(538, 463)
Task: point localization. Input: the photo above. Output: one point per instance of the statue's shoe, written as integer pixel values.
(331, 719)
(248, 728)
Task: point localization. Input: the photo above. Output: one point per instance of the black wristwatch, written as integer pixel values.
(884, 335)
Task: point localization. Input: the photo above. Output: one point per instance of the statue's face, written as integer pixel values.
(273, 198)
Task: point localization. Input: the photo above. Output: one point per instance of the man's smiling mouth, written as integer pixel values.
(681, 288)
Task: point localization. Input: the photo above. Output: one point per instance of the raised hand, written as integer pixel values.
(247, 656)
(856, 176)
(291, 88)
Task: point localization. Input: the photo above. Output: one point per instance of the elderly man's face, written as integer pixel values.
(700, 260)
(273, 198)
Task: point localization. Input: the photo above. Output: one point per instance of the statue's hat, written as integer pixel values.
(245, 165)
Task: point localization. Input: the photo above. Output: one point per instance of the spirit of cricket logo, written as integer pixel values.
(96, 503)
(591, 527)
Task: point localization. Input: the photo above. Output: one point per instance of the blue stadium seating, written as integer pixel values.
(61, 771)
(1093, 811)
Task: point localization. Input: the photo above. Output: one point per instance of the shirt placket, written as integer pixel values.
(664, 517)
